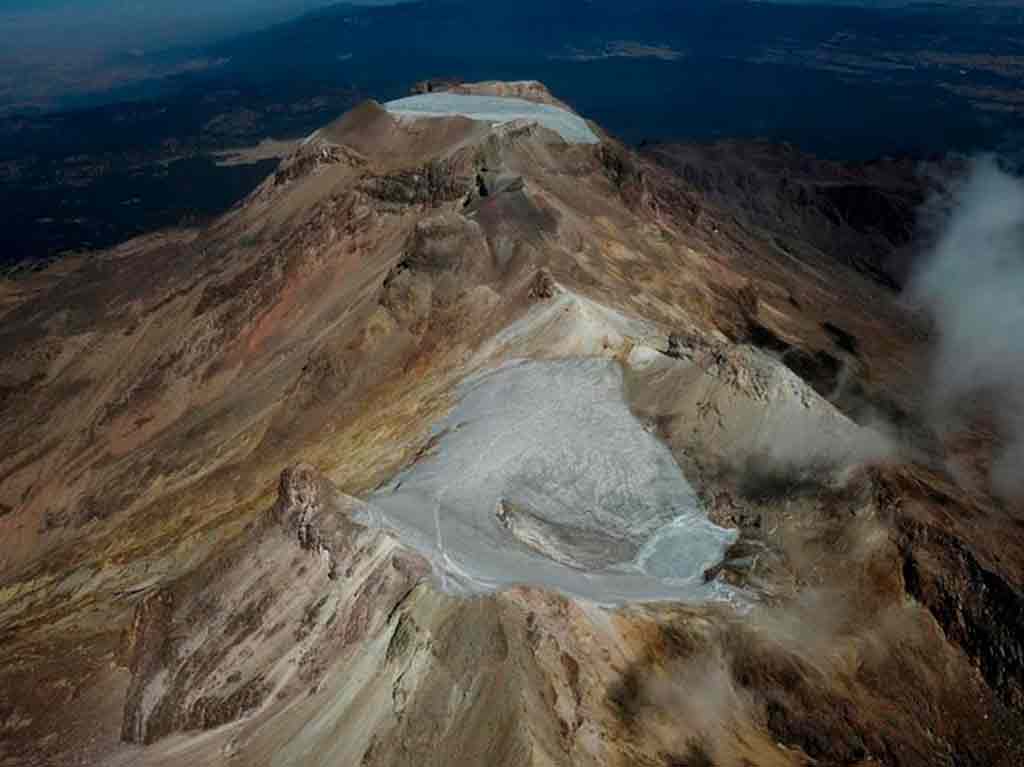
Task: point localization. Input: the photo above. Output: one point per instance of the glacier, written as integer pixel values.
(541, 475)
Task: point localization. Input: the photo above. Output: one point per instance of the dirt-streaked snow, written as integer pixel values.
(497, 110)
(541, 475)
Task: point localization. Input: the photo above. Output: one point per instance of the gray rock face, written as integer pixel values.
(311, 509)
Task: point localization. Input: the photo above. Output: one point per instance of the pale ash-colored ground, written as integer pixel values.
(267, 149)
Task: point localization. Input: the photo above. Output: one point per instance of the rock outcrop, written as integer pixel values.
(305, 585)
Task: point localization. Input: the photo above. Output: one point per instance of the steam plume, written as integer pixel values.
(973, 284)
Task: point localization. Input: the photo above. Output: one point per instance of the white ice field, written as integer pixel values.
(497, 110)
(541, 475)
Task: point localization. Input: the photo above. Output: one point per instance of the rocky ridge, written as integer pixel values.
(172, 590)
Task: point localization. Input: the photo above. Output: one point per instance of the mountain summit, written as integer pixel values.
(473, 436)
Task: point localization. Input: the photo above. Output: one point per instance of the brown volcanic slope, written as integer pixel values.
(167, 596)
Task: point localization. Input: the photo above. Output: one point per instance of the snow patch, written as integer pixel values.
(543, 476)
(642, 357)
(497, 110)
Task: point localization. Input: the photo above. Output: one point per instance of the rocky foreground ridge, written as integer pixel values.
(193, 569)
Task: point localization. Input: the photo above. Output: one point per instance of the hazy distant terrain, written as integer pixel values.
(56, 53)
(841, 81)
(91, 178)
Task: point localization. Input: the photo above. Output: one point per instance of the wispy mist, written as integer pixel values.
(972, 282)
(120, 25)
